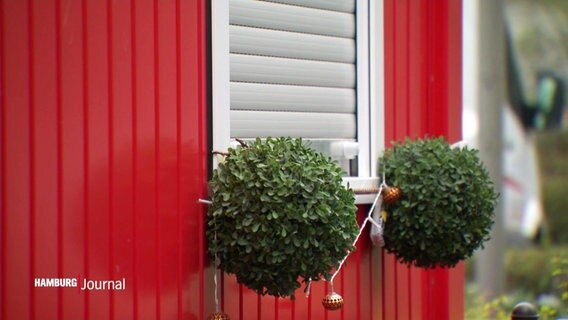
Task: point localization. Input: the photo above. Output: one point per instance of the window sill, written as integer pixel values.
(365, 188)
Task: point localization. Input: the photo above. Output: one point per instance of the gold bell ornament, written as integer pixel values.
(391, 195)
(332, 301)
(218, 316)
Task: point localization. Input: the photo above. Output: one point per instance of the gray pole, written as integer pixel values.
(488, 55)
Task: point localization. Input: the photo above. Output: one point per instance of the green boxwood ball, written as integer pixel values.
(446, 210)
(279, 214)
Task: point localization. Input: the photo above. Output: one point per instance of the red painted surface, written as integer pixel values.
(103, 141)
(104, 154)
(422, 97)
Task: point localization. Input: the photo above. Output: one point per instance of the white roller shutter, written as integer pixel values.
(292, 69)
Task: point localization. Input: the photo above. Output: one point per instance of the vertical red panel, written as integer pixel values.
(426, 70)
(266, 307)
(46, 148)
(85, 137)
(401, 67)
(193, 149)
(250, 300)
(284, 308)
(415, 293)
(121, 155)
(104, 152)
(145, 177)
(417, 76)
(134, 164)
(59, 134)
(99, 160)
(157, 143)
(166, 214)
(455, 75)
(178, 208)
(349, 288)
(389, 289)
(389, 53)
(437, 67)
(72, 162)
(404, 289)
(358, 274)
(17, 283)
(300, 306)
(156, 158)
(3, 212)
(376, 291)
(111, 153)
(319, 290)
(368, 294)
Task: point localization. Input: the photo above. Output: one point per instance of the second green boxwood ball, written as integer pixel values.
(446, 210)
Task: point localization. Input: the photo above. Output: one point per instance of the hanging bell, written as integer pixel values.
(332, 301)
(391, 195)
(218, 316)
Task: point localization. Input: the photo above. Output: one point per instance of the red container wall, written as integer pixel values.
(104, 154)
(422, 97)
(103, 141)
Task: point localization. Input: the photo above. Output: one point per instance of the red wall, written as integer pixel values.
(422, 97)
(103, 145)
(103, 139)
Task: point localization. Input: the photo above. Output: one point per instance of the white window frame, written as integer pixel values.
(370, 89)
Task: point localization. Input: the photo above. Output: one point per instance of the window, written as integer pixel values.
(301, 68)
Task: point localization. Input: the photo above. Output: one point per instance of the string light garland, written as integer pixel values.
(369, 218)
(333, 301)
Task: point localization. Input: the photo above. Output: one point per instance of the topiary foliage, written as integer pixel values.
(279, 212)
(447, 205)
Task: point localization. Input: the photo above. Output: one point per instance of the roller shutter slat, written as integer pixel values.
(278, 16)
(335, 5)
(251, 124)
(274, 43)
(267, 97)
(259, 69)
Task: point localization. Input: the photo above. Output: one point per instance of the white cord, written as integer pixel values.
(217, 308)
(367, 219)
(216, 262)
